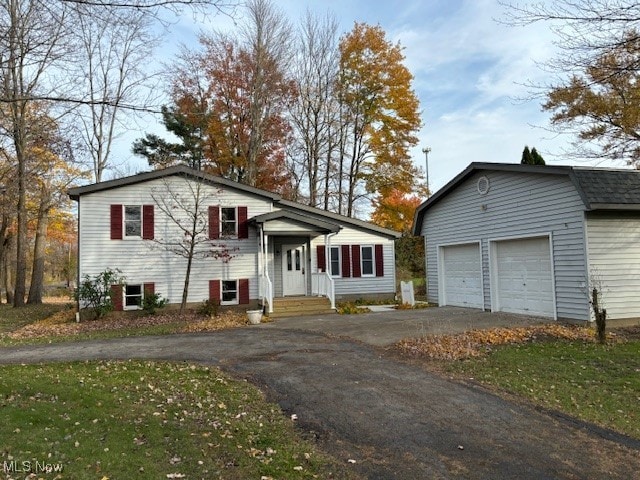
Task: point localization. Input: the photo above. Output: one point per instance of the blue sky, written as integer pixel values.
(469, 73)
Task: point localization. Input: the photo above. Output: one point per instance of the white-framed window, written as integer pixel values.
(229, 292)
(132, 296)
(367, 261)
(334, 261)
(228, 222)
(133, 221)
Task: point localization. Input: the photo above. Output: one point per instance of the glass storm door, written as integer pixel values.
(293, 271)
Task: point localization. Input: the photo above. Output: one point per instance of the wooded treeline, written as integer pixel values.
(71, 73)
(323, 119)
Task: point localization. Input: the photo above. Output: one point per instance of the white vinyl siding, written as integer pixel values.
(141, 260)
(365, 285)
(614, 262)
(516, 205)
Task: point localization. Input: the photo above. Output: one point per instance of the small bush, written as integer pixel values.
(209, 308)
(351, 308)
(373, 301)
(152, 302)
(94, 293)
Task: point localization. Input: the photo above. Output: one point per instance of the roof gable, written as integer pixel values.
(599, 188)
(313, 216)
(313, 224)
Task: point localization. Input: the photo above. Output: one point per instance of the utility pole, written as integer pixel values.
(426, 151)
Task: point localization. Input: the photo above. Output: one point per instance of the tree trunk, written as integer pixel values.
(192, 247)
(6, 267)
(21, 237)
(601, 317)
(326, 179)
(185, 290)
(4, 244)
(37, 274)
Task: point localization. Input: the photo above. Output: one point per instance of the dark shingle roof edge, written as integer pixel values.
(322, 224)
(75, 193)
(342, 219)
(590, 183)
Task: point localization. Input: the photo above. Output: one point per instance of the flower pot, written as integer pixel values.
(254, 316)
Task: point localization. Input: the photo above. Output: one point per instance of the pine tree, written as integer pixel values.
(536, 157)
(526, 157)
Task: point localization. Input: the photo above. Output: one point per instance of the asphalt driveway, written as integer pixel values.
(385, 325)
(396, 420)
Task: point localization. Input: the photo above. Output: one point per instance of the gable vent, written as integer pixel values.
(483, 185)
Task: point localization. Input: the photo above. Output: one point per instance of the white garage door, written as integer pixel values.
(462, 276)
(523, 276)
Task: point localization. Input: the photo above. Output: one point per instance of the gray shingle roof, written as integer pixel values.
(603, 188)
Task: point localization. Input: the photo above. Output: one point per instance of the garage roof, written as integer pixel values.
(599, 188)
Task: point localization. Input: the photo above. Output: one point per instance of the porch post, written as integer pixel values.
(260, 262)
(327, 253)
(265, 273)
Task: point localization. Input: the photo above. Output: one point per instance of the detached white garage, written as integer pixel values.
(535, 240)
(522, 276)
(461, 267)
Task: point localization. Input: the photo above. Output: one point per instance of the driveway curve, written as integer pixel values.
(396, 420)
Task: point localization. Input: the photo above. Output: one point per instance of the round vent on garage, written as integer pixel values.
(483, 185)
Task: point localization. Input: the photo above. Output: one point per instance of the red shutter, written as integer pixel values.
(322, 261)
(214, 224)
(116, 296)
(346, 261)
(149, 288)
(355, 256)
(379, 261)
(243, 291)
(214, 290)
(243, 225)
(147, 222)
(116, 222)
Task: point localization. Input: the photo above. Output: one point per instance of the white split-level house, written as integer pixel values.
(278, 248)
(535, 240)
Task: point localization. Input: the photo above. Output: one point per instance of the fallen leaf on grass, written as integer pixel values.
(475, 343)
(64, 324)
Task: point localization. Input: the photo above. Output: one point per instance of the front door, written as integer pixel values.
(293, 271)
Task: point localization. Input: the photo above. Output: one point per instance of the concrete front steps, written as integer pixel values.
(297, 306)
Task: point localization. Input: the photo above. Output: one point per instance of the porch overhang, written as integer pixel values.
(288, 223)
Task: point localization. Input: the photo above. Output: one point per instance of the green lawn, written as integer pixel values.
(600, 384)
(116, 420)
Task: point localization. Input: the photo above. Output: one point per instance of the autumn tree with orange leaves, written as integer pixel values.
(395, 211)
(381, 112)
(230, 100)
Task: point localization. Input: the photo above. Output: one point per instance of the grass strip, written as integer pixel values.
(596, 383)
